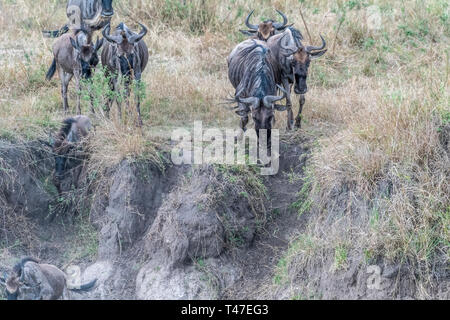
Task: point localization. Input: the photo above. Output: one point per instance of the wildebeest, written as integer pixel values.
(32, 280)
(74, 55)
(88, 14)
(125, 53)
(252, 72)
(68, 150)
(294, 68)
(265, 29)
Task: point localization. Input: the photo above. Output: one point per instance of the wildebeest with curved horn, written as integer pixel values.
(74, 55)
(91, 15)
(294, 69)
(32, 280)
(239, 65)
(265, 29)
(68, 150)
(252, 72)
(125, 53)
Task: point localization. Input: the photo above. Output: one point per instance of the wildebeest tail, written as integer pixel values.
(84, 287)
(55, 33)
(51, 71)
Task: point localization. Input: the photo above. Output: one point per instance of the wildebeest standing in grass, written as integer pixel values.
(294, 68)
(252, 72)
(74, 55)
(125, 53)
(68, 149)
(32, 280)
(241, 64)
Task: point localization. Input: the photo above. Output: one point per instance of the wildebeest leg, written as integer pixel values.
(244, 121)
(65, 79)
(298, 120)
(244, 118)
(78, 89)
(138, 105)
(119, 102)
(91, 96)
(110, 96)
(290, 115)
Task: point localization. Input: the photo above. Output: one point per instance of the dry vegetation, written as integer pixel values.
(378, 104)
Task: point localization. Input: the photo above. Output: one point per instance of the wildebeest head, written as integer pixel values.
(265, 29)
(300, 64)
(107, 9)
(86, 53)
(262, 110)
(124, 42)
(12, 285)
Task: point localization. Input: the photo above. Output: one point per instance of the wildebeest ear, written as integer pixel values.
(287, 44)
(316, 55)
(74, 44)
(280, 107)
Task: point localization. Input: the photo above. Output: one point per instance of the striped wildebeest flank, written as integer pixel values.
(32, 280)
(294, 69)
(125, 53)
(252, 72)
(90, 15)
(68, 149)
(74, 55)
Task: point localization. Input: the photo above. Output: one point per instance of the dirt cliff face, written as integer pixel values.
(187, 233)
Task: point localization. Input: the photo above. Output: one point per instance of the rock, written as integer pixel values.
(186, 227)
(133, 198)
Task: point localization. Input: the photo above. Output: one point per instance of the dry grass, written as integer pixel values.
(378, 103)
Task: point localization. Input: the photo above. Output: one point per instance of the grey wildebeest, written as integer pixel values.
(90, 15)
(74, 55)
(125, 53)
(68, 149)
(31, 280)
(294, 68)
(254, 70)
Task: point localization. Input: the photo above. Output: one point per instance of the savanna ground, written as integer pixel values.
(376, 184)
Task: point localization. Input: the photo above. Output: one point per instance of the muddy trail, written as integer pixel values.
(258, 263)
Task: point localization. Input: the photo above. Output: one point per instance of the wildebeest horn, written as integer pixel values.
(279, 25)
(248, 32)
(269, 100)
(138, 37)
(252, 101)
(311, 48)
(248, 24)
(107, 36)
